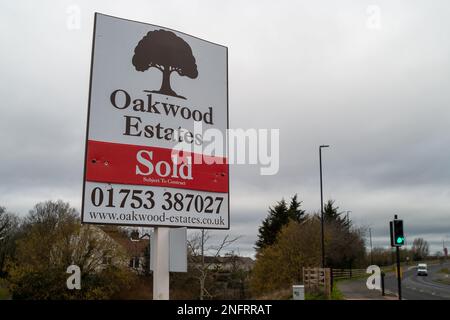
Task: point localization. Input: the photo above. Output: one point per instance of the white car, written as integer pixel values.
(422, 269)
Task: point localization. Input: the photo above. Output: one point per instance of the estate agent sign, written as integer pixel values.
(154, 92)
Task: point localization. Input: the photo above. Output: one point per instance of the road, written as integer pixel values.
(420, 288)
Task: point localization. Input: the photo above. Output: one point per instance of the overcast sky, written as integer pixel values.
(370, 78)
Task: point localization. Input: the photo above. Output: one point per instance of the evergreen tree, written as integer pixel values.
(344, 246)
(279, 216)
(294, 211)
(331, 215)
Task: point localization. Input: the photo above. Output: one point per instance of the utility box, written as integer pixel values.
(298, 292)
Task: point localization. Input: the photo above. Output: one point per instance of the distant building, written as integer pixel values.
(137, 250)
(138, 254)
(228, 263)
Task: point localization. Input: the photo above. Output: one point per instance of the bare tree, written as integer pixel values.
(7, 221)
(420, 249)
(8, 229)
(197, 246)
(89, 248)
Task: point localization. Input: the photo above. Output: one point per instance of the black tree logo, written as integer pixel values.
(167, 52)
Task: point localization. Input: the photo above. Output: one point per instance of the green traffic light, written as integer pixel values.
(400, 239)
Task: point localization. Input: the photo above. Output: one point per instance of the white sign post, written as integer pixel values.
(168, 253)
(177, 250)
(158, 102)
(161, 267)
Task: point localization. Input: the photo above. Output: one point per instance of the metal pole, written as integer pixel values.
(203, 246)
(348, 220)
(321, 209)
(442, 259)
(161, 267)
(331, 279)
(382, 283)
(399, 280)
(370, 236)
(202, 284)
(445, 256)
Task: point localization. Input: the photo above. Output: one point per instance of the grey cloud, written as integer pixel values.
(315, 71)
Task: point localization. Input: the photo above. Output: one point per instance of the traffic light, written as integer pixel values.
(397, 236)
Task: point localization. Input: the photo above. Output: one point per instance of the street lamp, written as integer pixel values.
(370, 237)
(444, 248)
(321, 205)
(348, 218)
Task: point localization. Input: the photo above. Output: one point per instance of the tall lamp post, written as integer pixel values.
(347, 217)
(444, 249)
(370, 237)
(321, 205)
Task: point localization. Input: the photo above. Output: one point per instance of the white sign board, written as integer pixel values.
(155, 97)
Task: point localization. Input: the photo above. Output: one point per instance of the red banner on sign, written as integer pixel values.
(151, 166)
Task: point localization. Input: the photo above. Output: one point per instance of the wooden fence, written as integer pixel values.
(322, 279)
(315, 279)
(348, 273)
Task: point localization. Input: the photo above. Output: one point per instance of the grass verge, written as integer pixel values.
(443, 281)
(4, 293)
(444, 270)
(336, 294)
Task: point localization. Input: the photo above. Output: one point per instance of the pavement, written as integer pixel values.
(356, 289)
(413, 287)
